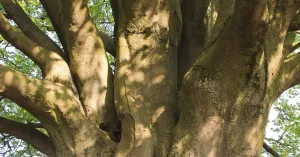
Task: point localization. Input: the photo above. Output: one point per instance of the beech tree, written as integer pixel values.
(192, 78)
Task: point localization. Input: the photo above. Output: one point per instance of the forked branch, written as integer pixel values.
(54, 10)
(26, 25)
(35, 138)
(52, 65)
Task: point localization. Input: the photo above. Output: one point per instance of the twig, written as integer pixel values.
(270, 150)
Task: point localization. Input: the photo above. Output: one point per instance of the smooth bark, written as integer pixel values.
(28, 27)
(193, 78)
(146, 66)
(226, 116)
(35, 138)
(52, 65)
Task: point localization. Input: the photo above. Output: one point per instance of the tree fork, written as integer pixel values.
(237, 69)
(219, 118)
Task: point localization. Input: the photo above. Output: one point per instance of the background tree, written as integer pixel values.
(210, 68)
(285, 129)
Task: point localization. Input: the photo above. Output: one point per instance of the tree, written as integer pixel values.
(192, 78)
(286, 125)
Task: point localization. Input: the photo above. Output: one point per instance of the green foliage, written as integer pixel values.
(14, 59)
(284, 135)
(10, 146)
(285, 128)
(102, 15)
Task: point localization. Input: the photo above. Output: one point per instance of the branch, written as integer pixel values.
(35, 138)
(114, 8)
(7, 16)
(51, 64)
(21, 89)
(294, 26)
(295, 47)
(108, 42)
(35, 125)
(49, 102)
(250, 16)
(278, 141)
(289, 74)
(290, 49)
(54, 9)
(91, 74)
(193, 29)
(39, 97)
(28, 27)
(270, 150)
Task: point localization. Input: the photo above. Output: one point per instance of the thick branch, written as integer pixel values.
(28, 27)
(295, 22)
(194, 35)
(56, 107)
(109, 43)
(22, 89)
(35, 125)
(270, 150)
(288, 47)
(35, 138)
(201, 29)
(294, 26)
(54, 10)
(250, 17)
(114, 8)
(51, 64)
(34, 95)
(91, 73)
(295, 47)
(289, 74)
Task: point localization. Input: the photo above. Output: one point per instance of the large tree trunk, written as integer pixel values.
(227, 94)
(146, 66)
(212, 98)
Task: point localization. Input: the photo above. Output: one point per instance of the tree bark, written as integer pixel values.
(29, 28)
(29, 134)
(193, 78)
(146, 66)
(227, 114)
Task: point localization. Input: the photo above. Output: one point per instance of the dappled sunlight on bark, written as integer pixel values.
(145, 80)
(191, 78)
